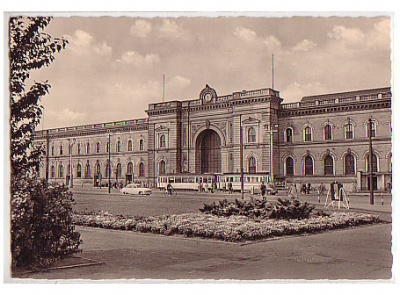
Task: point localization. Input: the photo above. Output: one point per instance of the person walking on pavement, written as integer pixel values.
(292, 194)
(230, 187)
(263, 189)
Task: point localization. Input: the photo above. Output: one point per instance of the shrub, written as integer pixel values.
(41, 223)
(254, 208)
(290, 209)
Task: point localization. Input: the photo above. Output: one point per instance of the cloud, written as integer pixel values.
(65, 115)
(349, 36)
(138, 60)
(169, 27)
(141, 28)
(379, 36)
(272, 43)
(180, 81)
(251, 37)
(304, 45)
(103, 49)
(294, 91)
(245, 34)
(82, 43)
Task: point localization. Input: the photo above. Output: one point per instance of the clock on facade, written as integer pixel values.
(207, 97)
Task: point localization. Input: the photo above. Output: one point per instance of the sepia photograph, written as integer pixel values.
(203, 146)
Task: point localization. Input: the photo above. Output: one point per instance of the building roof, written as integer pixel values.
(348, 94)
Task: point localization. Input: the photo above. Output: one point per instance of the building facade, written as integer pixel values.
(320, 139)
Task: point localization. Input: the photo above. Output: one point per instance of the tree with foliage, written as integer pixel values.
(41, 214)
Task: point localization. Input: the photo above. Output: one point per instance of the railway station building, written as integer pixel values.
(320, 139)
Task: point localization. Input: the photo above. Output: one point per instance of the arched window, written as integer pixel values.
(328, 165)
(349, 165)
(53, 171)
(52, 150)
(61, 171)
(107, 147)
(129, 168)
(374, 163)
(130, 145)
(251, 135)
(252, 165)
(107, 171)
(97, 169)
(162, 167)
(289, 166)
(289, 135)
(162, 143)
(373, 129)
(141, 170)
(118, 146)
(141, 145)
(348, 130)
(61, 150)
(308, 134)
(79, 147)
(98, 147)
(88, 148)
(308, 166)
(119, 170)
(328, 132)
(79, 171)
(88, 171)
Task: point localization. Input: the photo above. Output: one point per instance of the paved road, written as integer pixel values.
(94, 199)
(361, 253)
(357, 254)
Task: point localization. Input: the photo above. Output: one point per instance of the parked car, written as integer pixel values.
(271, 189)
(135, 189)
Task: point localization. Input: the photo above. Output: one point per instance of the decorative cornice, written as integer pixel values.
(314, 110)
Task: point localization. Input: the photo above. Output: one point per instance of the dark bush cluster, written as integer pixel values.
(255, 208)
(41, 223)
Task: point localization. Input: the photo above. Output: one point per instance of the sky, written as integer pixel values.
(112, 67)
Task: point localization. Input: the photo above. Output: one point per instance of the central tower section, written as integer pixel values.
(208, 152)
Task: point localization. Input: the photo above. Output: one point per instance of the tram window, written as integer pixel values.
(178, 179)
(171, 180)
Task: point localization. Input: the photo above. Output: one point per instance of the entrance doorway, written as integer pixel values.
(208, 152)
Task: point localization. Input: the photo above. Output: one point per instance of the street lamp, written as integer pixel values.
(272, 131)
(109, 163)
(72, 141)
(370, 167)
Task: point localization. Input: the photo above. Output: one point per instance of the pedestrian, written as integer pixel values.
(308, 188)
(293, 192)
(214, 187)
(230, 188)
(320, 191)
(169, 189)
(263, 189)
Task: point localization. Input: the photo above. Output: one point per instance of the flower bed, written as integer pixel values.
(231, 229)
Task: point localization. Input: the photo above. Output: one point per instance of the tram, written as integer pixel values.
(220, 181)
(185, 181)
(251, 181)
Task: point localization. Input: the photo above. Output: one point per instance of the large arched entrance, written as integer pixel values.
(208, 152)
